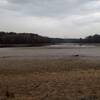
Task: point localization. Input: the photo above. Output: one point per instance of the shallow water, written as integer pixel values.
(52, 51)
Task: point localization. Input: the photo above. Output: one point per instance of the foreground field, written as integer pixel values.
(49, 79)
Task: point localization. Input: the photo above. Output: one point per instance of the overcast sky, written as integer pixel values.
(54, 18)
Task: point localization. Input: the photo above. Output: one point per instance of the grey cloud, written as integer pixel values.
(47, 7)
(50, 17)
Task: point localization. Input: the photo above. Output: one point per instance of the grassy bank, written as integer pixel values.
(57, 79)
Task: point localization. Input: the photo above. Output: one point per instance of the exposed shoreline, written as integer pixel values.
(51, 52)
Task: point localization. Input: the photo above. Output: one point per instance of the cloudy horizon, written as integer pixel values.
(53, 18)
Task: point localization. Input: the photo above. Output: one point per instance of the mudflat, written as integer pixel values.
(52, 51)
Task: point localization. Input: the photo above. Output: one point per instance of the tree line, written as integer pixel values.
(22, 38)
(27, 39)
(91, 39)
(31, 39)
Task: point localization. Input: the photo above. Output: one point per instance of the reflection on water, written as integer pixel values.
(76, 45)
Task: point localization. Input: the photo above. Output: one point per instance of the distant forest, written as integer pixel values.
(91, 39)
(26, 39)
(30, 39)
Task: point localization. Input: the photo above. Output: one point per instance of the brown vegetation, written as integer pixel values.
(53, 79)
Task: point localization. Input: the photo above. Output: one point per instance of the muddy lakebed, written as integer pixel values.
(51, 51)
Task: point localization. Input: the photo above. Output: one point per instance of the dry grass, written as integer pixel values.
(50, 79)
